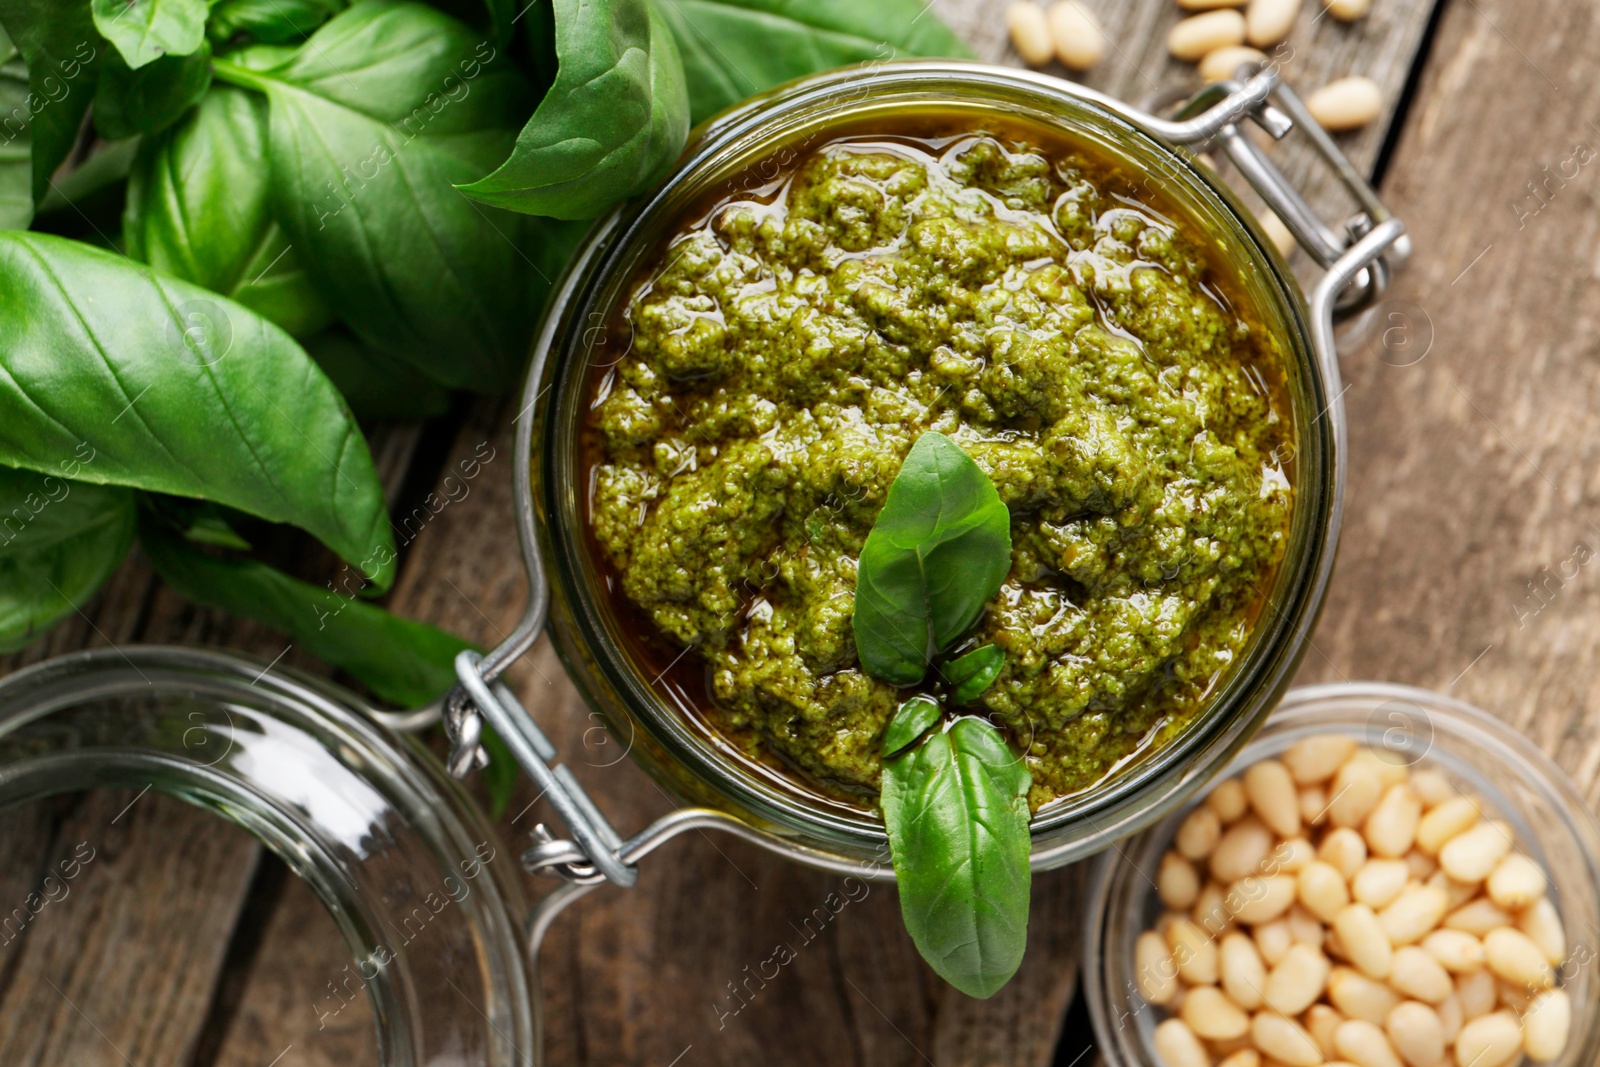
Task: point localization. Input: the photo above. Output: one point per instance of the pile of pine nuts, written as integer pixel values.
(1331, 907)
(1216, 35)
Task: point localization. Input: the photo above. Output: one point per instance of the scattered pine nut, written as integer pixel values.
(1030, 32)
(1269, 21)
(1079, 42)
(1346, 104)
(1223, 63)
(1198, 35)
(1348, 10)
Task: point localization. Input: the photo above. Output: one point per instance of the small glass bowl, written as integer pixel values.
(1479, 753)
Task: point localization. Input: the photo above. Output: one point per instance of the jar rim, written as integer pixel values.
(694, 763)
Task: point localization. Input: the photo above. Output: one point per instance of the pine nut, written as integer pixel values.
(1243, 972)
(1364, 1044)
(1313, 798)
(1415, 1032)
(1153, 970)
(1224, 63)
(1489, 1041)
(1470, 856)
(1348, 10)
(1293, 856)
(1391, 828)
(1030, 33)
(1211, 909)
(1512, 955)
(1176, 1045)
(1177, 884)
(1391, 768)
(1078, 40)
(1450, 1017)
(1260, 900)
(1345, 849)
(1273, 940)
(1193, 951)
(1413, 914)
(1454, 816)
(1455, 950)
(1477, 917)
(1207, 5)
(1197, 35)
(1321, 1021)
(1516, 882)
(1419, 976)
(1284, 1040)
(1228, 800)
(1245, 1057)
(1305, 928)
(1542, 923)
(1240, 850)
(1379, 882)
(1433, 787)
(1518, 998)
(1315, 759)
(1477, 993)
(1547, 1025)
(1346, 104)
(1364, 940)
(1212, 1016)
(1297, 981)
(1356, 790)
(1269, 21)
(1198, 834)
(1322, 890)
(1359, 997)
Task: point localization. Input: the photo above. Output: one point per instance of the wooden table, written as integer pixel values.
(1466, 566)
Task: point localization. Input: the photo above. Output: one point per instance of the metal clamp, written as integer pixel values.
(1213, 115)
(594, 854)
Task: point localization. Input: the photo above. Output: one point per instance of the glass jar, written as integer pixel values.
(1480, 754)
(703, 768)
(426, 895)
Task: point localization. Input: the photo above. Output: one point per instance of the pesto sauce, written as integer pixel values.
(787, 349)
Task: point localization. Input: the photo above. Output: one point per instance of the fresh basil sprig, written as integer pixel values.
(936, 555)
(955, 804)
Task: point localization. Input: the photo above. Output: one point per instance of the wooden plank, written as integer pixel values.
(91, 980)
(1468, 560)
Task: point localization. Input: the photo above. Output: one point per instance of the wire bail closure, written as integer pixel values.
(1357, 268)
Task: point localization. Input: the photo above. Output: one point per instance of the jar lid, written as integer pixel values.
(420, 885)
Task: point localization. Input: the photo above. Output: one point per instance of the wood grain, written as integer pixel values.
(672, 971)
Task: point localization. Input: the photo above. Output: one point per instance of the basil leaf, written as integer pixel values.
(956, 808)
(16, 155)
(371, 124)
(59, 541)
(404, 662)
(269, 21)
(58, 43)
(199, 207)
(130, 102)
(733, 49)
(611, 125)
(376, 386)
(175, 389)
(908, 723)
(146, 30)
(972, 674)
(937, 553)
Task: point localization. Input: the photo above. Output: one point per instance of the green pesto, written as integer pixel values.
(784, 357)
